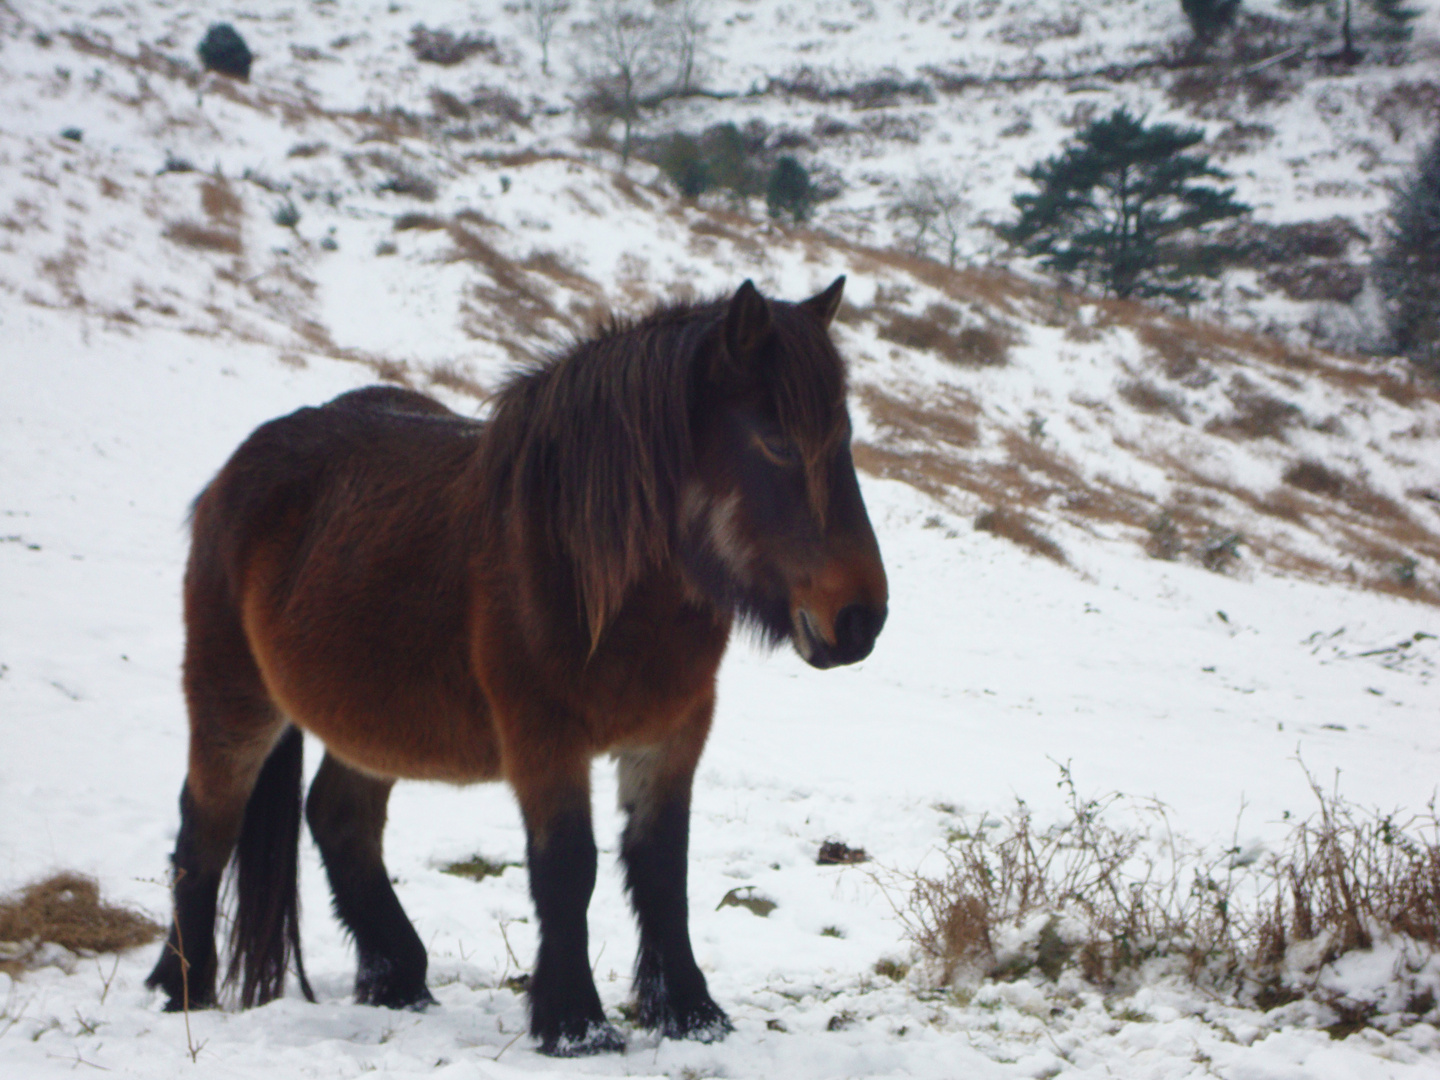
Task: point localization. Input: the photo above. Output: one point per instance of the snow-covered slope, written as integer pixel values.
(1200, 550)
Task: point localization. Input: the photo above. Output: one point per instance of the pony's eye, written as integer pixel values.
(779, 450)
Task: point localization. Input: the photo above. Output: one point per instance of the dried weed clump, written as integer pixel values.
(1104, 891)
(66, 909)
(444, 47)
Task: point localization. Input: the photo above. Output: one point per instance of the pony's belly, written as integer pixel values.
(373, 709)
(426, 743)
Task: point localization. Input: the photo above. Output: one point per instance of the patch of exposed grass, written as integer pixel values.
(745, 896)
(888, 967)
(477, 868)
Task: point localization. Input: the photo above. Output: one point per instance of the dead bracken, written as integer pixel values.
(66, 909)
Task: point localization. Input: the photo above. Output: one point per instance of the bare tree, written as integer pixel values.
(933, 213)
(624, 63)
(541, 19)
(683, 28)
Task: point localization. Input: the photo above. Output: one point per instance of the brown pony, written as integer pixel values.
(436, 598)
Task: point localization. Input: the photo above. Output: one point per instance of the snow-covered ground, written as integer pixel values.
(134, 355)
(994, 667)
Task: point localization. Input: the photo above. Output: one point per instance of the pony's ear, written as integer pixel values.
(824, 305)
(746, 322)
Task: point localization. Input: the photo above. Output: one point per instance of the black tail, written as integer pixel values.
(267, 923)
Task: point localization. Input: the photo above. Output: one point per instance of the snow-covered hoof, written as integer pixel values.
(596, 1037)
(700, 1021)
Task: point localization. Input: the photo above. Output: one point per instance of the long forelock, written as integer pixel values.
(808, 385)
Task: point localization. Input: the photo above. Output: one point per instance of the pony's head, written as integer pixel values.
(773, 524)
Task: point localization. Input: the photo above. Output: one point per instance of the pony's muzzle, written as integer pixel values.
(856, 628)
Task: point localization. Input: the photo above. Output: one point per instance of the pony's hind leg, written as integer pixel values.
(346, 811)
(655, 783)
(241, 796)
(213, 804)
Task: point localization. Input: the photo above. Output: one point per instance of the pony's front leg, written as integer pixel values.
(655, 784)
(565, 1012)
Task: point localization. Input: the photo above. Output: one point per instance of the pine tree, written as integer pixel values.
(1407, 270)
(1394, 20)
(1208, 17)
(1126, 209)
(1389, 23)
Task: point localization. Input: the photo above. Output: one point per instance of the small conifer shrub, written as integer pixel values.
(224, 50)
(286, 215)
(683, 160)
(721, 158)
(789, 192)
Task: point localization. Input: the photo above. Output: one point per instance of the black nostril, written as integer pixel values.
(856, 628)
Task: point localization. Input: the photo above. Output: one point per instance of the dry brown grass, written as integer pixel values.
(418, 222)
(552, 265)
(926, 436)
(192, 234)
(63, 271)
(1128, 891)
(734, 229)
(1149, 398)
(940, 441)
(453, 376)
(935, 332)
(513, 307)
(392, 371)
(1190, 351)
(1314, 477)
(1257, 415)
(997, 291)
(66, 909)
(220, 202)
(946, 415)
(1014, 526)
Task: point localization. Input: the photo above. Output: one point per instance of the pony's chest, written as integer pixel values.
(650, 670)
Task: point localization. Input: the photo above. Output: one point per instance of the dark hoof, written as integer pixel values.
(168, 979)
(416, 1000)
(702, 1021)
(377, 984)
(177, 1004)
(596, 1037)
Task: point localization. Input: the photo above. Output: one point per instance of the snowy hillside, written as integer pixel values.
(1173, 555)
